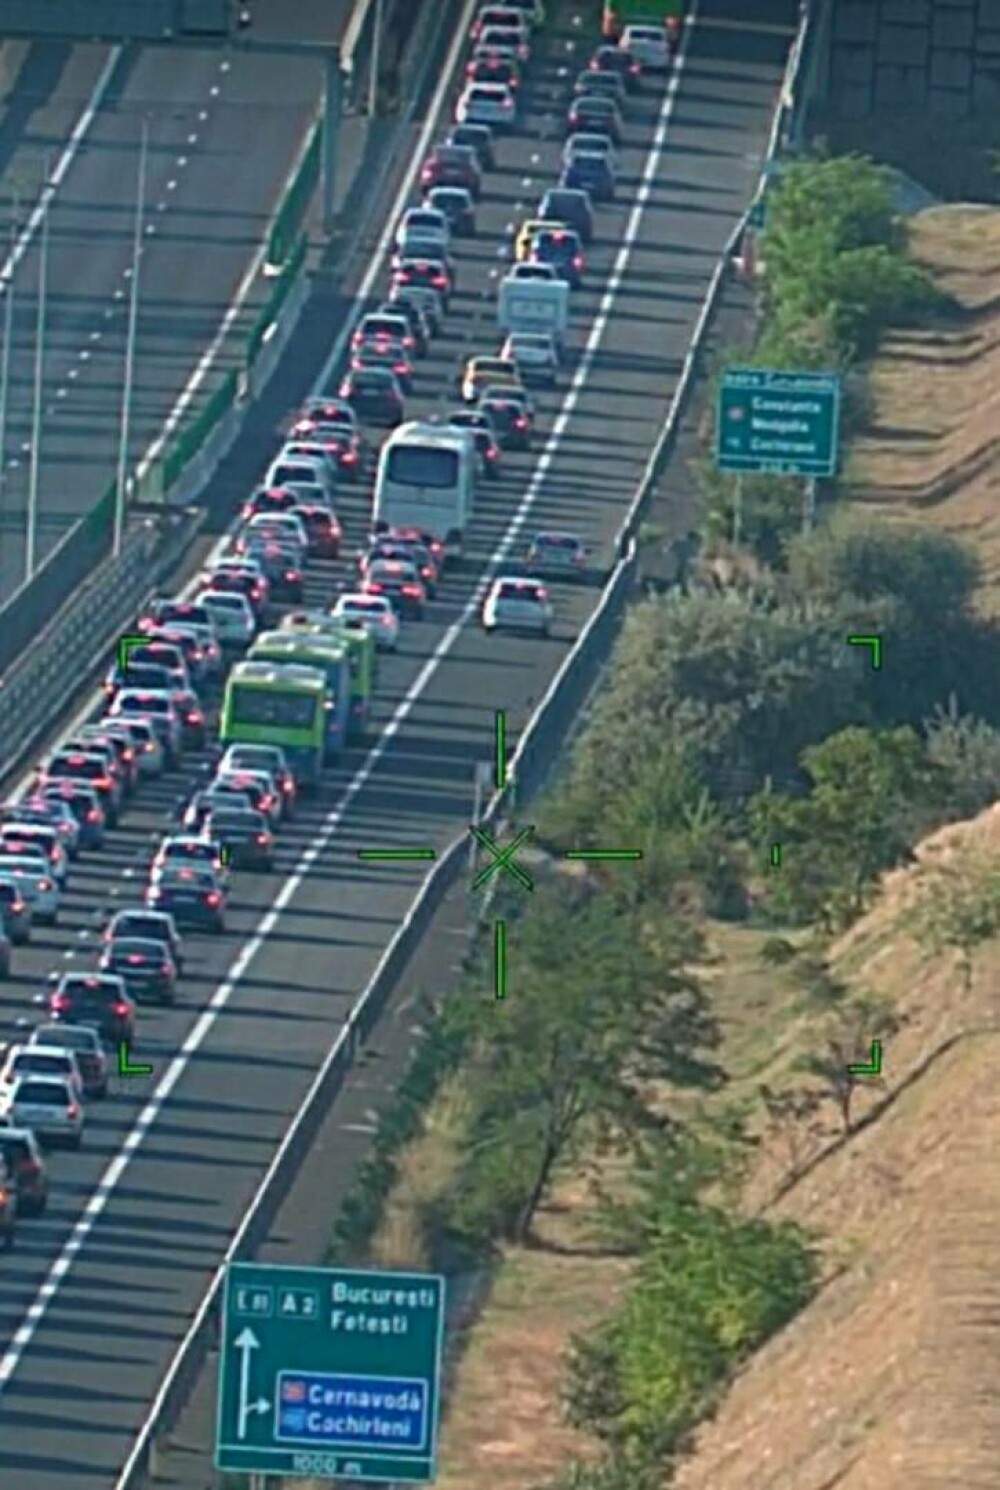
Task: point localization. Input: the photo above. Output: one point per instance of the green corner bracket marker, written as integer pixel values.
(126, 1067)
(402, 855)
(500, 750)
(875, 642)
(500, 959)
(127, 645)
(874, 1066)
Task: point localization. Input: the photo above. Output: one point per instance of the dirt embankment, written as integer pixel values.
(932, 448)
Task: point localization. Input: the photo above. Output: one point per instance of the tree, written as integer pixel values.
(871, 793)
(959, 910)
(710, 1287)
(790, 1123)
(600, 1013)
(966, 752)
(845, 1041)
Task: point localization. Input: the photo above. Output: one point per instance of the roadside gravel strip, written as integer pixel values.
(97, 1295)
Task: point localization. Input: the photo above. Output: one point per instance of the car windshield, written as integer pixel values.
(42, 1093)
(132, 947)
(48, 1065)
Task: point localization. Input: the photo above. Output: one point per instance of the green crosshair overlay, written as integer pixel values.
(503, 858)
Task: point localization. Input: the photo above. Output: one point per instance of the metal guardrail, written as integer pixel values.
(36, 689)
(530, 762)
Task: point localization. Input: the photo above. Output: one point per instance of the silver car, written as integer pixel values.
(233, 616)
(46, 1104)
(85, 1043)
(38, 888)
(42, 1060)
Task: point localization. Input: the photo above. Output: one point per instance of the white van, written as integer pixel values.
(426, 479)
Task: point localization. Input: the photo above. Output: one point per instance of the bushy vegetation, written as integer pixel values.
(837, 275)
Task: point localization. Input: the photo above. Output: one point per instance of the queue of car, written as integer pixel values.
(156, 706)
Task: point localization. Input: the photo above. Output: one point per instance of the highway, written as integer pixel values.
(141, 1215)
(224, 132)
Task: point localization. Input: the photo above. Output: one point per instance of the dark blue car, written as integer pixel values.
(590, 173)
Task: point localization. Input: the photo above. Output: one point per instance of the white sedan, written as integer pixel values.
(648, 45)
(487, 103)
(376, 614)
(48, 1104)
(518, 604)
(42, 1060)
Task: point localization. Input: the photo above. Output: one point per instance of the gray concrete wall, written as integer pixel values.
(937, 56)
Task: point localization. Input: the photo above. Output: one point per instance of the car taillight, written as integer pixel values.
(578, 261)
(61, 1002)
(520, 422)
(287, 787)
(120, 1006)
(292, 576)
(73, 1110)
(411, 590)
(262, 838)
(491, 452)
(349, 457)
(45, 884)
(149, 745)
(103, 781)
(373, 587)
(400, 367)
(195, 717)
(439, 281)
(213, 898)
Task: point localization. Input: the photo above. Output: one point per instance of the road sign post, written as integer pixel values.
(787, 423)
(331, 1373)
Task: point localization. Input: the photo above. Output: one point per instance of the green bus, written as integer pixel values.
(617, 14)
(327, 653)
(278, 704)
(361, 656)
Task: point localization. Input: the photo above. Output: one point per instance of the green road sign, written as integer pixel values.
(330, 1372)
(785, 422)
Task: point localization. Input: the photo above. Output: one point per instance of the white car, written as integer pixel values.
(233, 616)
(533, 271)
(591, 142)
(46, 1104)
(648, 45)
(38, 889)
(535, 355)
(423, 222)
(285, 526)
(304, 470)
(316, 453)
(376, 614)
(42, 1060)
(156, 706)
(517, 603)
(85, 1043)
(487, 103)
(182, 849)
(149, 753)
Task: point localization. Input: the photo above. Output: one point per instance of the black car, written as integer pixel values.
(192, 895)
(456, 203)
(245, 836)
(480, 138)
(561, 248)
(153, 926)
(574, 207)
(20, 1151)
(147, 967)
(617, 59)
(97, 999)
(484, 436)
(508, 418)
(589, 173)
(591, 111)
(374, 394)
(601, 85)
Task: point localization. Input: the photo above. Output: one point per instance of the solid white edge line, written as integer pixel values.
(178, 1064)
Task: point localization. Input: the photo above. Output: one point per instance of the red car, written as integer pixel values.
(322, 529)
(430, 274)
(452, 165)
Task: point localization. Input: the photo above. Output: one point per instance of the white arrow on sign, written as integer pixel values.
(246, 1343)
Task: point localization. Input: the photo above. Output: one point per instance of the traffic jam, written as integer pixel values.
(247, 686)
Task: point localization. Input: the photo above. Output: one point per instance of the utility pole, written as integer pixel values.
(31, 528)
(8, 339)
(133, 317)
(373, 72)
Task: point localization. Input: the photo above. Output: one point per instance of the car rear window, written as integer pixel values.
(43, 1092)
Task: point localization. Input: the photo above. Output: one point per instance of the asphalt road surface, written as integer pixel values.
(133, 1247)
(224, 131)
